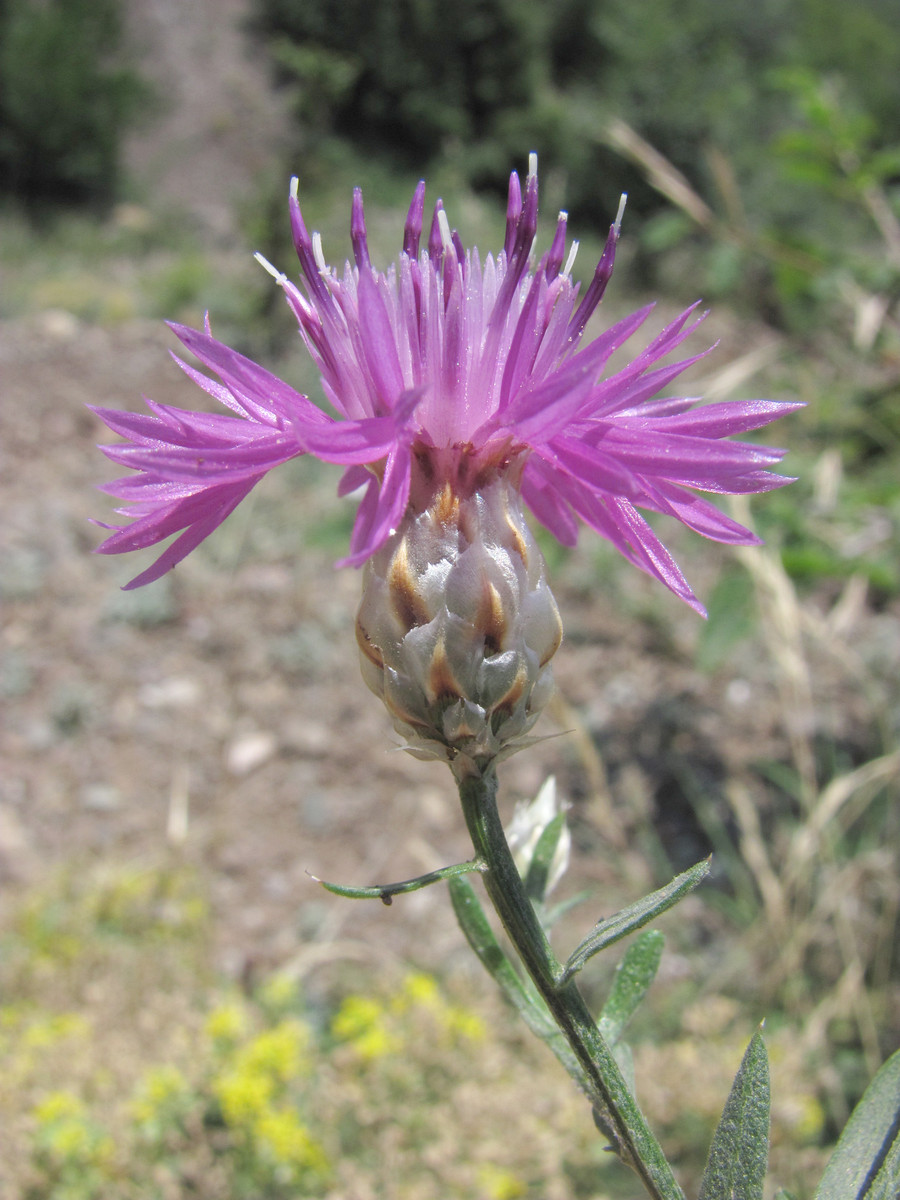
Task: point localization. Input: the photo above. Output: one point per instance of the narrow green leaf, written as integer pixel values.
(385, 892)
(633, 977)
(531, 1008)
(866, 1162)
(736, 1167)
(634, 917)
(481, 938)
(542, 859)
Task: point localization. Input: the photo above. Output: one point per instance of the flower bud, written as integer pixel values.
(530, 820)
(457, 626)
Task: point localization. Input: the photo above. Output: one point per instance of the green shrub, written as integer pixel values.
(402, 74)
(701, 83)
(66, 99)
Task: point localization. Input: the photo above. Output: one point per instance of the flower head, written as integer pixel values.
(457, 626)
(447, 371)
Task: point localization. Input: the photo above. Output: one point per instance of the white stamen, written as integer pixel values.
(532, 164)
(317, 253)
(621, 213)
(570, 261)
(444, 227)
(295, 187)
(279, 276)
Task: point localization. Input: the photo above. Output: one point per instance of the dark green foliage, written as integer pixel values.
(65, 99)
(717, 89)
(475, 84)
(407, 74)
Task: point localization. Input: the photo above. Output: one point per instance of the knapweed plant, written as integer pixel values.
(464, 391)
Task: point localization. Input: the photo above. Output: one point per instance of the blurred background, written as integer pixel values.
(183, 1011)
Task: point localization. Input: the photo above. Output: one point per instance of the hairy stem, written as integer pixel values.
(608, 1092)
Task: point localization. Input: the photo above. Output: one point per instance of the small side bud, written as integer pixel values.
(457, 627)
(530, 819)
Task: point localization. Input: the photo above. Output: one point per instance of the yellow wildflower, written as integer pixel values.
(243, 1096)
(278, 1052)
(278, 994)
(47, 1030)
(227, 1023)
(463, 1023)
(363, 1022)
(281, 1135)
(56, 1106)
(500, 1184)
(419, 990)
(66, 1134)
(157, 1090)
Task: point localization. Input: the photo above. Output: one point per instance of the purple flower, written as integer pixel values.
(440, 370)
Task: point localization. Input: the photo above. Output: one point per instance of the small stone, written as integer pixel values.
(177, 692)
(59, 324)
(309, 738)
(250, 751)
(739, 693)
(100, 797)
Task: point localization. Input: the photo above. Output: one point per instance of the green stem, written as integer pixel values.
(608, 1091)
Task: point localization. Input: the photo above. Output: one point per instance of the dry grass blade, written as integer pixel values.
(860, 786)
(782, 626)
(661, 174)
(772, 889)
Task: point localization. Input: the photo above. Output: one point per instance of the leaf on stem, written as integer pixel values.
(634, 917)
(481, 938)
(539, 869)
(633, 977)
(736, 1167)
(385, 892)
(866, 1163)
(531, 1008)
